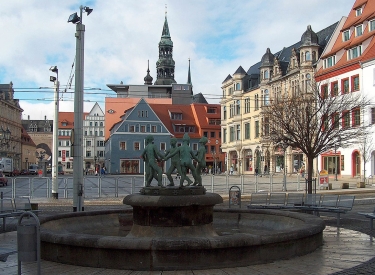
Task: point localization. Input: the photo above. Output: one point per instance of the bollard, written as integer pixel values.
(235, 196)
(28, 241)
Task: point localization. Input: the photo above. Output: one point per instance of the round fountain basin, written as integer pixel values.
(243, 237)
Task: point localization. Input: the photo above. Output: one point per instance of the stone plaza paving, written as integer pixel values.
(349, 249)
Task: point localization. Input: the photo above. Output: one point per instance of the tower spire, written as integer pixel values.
(165, 64)
(189, 76)
(148, 78)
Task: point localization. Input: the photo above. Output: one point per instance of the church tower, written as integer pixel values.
(165, 64)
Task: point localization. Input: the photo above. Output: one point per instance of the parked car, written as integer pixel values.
(3, 179)
(24, 172)
(15, 172)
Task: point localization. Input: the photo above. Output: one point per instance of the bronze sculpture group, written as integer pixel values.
(181, 160)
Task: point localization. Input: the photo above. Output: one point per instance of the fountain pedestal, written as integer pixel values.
(172, 212)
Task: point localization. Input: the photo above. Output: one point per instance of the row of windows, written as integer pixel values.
(162, 146)
(349, 118)
(99, 154)
(212, 134)
(99, 143)
(141, 128)
(64, 133)
(346, 86)
(94, 133)
(96, 123)
(358, 30)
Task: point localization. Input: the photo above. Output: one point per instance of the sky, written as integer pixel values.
(122, 35)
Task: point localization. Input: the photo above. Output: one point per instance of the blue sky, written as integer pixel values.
(218, 36)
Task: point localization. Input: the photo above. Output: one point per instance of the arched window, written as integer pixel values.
(96, 123)
(266, 75)
(266, 98)
(238, 86)
(307, 56)
(101, 123)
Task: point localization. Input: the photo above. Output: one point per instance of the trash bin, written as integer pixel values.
(27, 242)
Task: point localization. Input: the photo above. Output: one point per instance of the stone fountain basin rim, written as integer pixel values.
(312, 225)
(173, 201)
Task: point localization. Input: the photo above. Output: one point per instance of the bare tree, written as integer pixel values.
(366, 146)
(314, 121)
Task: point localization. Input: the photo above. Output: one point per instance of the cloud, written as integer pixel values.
(121, 36)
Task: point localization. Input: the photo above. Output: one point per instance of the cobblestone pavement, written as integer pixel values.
(352, 221)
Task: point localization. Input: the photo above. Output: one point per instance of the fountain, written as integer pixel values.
(177, 228)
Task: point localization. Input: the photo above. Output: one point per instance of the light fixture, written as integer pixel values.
(74, 18)
(88, 10)
(52, 78)
(54, 69)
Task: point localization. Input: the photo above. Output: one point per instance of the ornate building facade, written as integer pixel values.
(10, 120)
(245, 132)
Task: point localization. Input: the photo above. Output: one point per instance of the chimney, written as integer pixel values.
(28, 117)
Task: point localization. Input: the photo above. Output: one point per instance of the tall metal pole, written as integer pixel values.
(78, 119)
(335, 162)
(284, 176)
(55, 150)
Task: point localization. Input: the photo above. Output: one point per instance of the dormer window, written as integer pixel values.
(329, 62)
(176, 116)
(211, 110)
(64, 123)
(372, 25)
(354, 52)
(359, 30)
(358, 11)
(238, 86)
(345, 35)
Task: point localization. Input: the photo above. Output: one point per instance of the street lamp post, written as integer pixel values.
(27, 160)
(55, 149)
(284, 146)
(95, 158)
(78, 110)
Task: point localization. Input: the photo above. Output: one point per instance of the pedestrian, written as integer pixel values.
(256, 171)
(231, 170)
(265, 169)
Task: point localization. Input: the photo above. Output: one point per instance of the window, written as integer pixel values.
(211, 110)
(90, 123)
(358, 11)
(356, 116)
(67, 153)
(67, 143)
(59, 154)
(335, 121)
(88, 142)
(96, 133)
(60, 143)
(143, 128)
(225, 112)
(65, 123)
(212, 134)
(231, 110)
(325, 122)
(195, 146)
(238, 132)
(225, 133)
(346, 119)
(329, 62)
(256, 99)
(101, 133)
(308, 83)
(358, 30)
(266, 126)
(231, 134)
(163, 146)
(307, 56)
(90, 133)
(266, 74)
(372, 25)
(345, 86)
(101, 123)
(176, 116)
(345, 35)
(247, 105)
(354, 52)
(122, 145)
(355, 83)
(100, 143)
(68, 165)
(256, 129)
(136, 146)
(324, 91)
(266, 98)
(131, 129)
(153, 128)
(96, 124)
(230, 91)
(372, 115)
(142, 113)
(247, 130)
(334, 88)
(212, 148)
(238, 107)
(238, 86)
(88, 154)
(85, 133)
(205, 134)
(214, 121)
